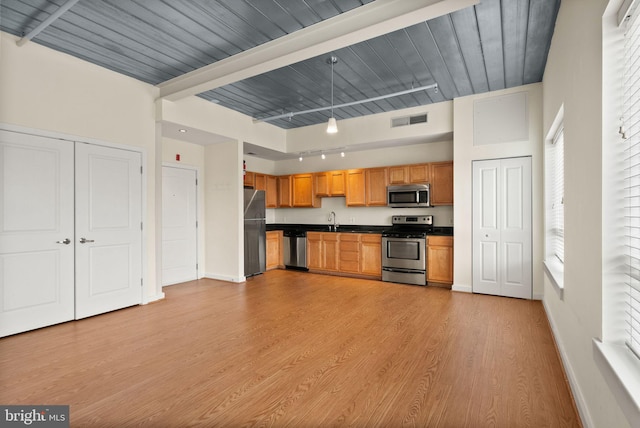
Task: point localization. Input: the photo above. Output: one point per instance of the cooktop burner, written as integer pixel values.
(409, 226)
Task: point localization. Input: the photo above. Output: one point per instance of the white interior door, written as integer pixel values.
(36, 236)
(108, 229)
(179, 225)
(502, 240)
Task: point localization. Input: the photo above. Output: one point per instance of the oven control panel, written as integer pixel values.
(412, 219)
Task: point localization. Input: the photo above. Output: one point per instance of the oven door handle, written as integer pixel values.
(388, 269)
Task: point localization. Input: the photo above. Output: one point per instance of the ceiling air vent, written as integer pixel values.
(408, 120)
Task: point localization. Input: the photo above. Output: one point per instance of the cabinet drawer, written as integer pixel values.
(351, 237)
(348, 246)
(443, 241)
(349, 256)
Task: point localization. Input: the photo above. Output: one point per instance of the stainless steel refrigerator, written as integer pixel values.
(254, 232)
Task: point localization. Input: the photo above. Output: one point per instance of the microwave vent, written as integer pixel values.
(408, 120)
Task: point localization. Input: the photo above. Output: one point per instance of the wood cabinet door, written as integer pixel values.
(398, 174)
(371, 255)
(331, 251)
(322, 184)
(440, 259)
(315, 255)
(337, 183)
(419, 173)
(259, 181)
(442, 183)
(248, 178)
(376, 187)
(271, 193)
(274, 249)
(355, 195)
(303, 191)
(284, 191)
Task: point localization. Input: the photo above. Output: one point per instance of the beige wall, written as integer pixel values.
(41, 89)
(465, 152)
(574, 78)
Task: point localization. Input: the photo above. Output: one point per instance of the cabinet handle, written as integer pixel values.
(84, 241)
(66, 241)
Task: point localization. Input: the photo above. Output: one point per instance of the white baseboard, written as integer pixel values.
(581, 404)
(538, 296)
(224, 277)
(462, 288)
(149, 299)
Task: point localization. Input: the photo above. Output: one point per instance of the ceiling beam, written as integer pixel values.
(363, 23)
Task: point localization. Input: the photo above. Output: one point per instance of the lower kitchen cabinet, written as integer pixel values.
(349, 245)
(440, 259)
(371, 255)
(357, 254)
(322, 251)
(274, 250)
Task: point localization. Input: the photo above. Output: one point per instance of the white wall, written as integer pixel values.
(465, 152)
(46, 90)
(374, 128)
(574, 78)
(224, 236)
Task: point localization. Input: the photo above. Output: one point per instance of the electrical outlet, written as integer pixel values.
(352, 220)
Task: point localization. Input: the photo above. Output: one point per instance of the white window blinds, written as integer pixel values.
(554, 182)
(558, 194)
(630, 131)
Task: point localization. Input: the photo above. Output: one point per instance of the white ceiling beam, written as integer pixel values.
(363, 23)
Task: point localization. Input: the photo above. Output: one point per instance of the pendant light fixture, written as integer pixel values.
(332, 125)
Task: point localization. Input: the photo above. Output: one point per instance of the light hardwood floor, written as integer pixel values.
(301, 350)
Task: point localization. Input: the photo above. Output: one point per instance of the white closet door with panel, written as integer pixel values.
(179, 225)
(37, 232)
(502, 230)
(108, 229)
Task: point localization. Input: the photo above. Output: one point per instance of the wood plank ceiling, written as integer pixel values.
(493, 45)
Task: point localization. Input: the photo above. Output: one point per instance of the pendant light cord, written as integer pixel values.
(332, 62)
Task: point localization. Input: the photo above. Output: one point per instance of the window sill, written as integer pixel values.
(621, 370)
(555, 273)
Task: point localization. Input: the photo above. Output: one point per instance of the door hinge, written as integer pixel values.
(196, 181)
(196, 224)
(141, 282)
(140, 170)
(141, 226)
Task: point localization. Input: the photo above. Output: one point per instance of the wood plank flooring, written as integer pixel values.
(297, 349)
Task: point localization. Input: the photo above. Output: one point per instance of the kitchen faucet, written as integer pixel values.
(332, 218)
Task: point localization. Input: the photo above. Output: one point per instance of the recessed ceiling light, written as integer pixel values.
(182, 130)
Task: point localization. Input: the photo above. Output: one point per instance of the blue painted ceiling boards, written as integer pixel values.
(494, 45)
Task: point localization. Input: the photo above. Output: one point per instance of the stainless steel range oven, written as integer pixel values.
(404, 249)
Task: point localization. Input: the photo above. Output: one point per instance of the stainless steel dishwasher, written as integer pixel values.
(295, 249)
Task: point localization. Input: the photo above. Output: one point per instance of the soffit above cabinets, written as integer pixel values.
(492, 45)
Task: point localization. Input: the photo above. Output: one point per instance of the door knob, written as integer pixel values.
(84, 241)
(66, 241)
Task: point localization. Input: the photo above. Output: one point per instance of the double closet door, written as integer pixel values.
(502, 229)
(70, 231)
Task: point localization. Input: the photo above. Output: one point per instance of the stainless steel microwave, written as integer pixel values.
(408, 196)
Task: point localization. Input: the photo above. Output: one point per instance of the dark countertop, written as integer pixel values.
(346, 228)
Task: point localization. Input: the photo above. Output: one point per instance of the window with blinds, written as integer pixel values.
(554, 178)
(630, 132)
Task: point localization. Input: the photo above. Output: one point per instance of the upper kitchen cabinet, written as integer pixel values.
(271, 197)
(259, 181)
(248, 178)
(284, 191)
(330, 183)
(355, 192)
(376, 187)
(409, 174)
(303, 190)
(442, 183)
